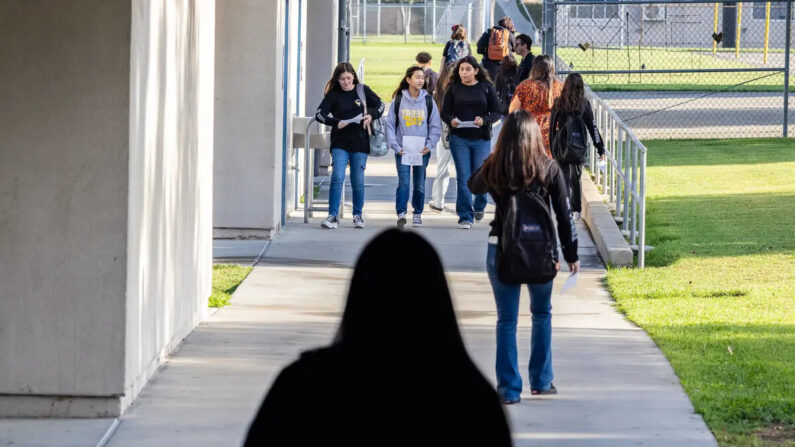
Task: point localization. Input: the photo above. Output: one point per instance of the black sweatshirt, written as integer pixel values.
(346, 105)
(557, 117)
(556, 190)
(465, 102)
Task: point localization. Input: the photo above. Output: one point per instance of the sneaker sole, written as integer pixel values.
(329, 227)
(465, 226)
(438, 210)
(416, 224)
(358, 226)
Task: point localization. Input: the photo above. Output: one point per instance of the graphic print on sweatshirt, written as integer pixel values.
(413, 117)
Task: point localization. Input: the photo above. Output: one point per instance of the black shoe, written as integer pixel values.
(433, 206)
(478, 216)
(550, 390)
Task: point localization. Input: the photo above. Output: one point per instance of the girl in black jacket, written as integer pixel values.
(519, 161)
(572, 101)
(350, 142)
(469, 98)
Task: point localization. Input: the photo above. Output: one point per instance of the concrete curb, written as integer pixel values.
(612, 246)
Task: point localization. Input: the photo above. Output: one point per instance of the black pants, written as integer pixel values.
(572, 174)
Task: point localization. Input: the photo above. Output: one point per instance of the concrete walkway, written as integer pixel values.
(616, 388)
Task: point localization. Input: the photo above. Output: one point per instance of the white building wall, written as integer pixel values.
(64, 112)
(169, 256)
(248, 117)
(105, 196)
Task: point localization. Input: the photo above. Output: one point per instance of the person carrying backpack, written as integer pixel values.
(413, 114)
(423, 59)
(455, 49)
(522, 248)
(506, 82)
(495, 44)
(470, 107)
(569, 121)
(350, 142)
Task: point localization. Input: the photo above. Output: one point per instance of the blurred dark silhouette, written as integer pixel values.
(397, 373)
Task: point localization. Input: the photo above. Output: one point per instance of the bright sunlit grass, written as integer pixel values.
(226, 278)
(718, 295)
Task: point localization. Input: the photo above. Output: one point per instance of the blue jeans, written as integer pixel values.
(468, 156)
(402, 193)
(339, 161)
(509, 381)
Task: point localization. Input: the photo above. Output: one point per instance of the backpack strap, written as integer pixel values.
(363, 99)
(429, 105)
(396, 108)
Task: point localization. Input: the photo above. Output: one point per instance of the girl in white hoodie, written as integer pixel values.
(412, 115)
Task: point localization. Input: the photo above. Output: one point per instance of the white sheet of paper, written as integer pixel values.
(356, 119)
(412, 151)
(570, 283)
(467, 124)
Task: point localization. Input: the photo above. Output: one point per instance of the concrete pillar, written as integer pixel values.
(105, 177)
(321, 31)
(248, 118)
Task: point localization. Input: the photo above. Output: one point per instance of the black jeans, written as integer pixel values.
(572, 175)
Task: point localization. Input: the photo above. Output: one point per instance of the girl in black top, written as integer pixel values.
(506, 82)
(469, 97)
(572, 101)
(394, 375)
(350, 142)
(519, 160)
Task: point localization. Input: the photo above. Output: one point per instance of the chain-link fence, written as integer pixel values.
(681, 70)
(428, 21)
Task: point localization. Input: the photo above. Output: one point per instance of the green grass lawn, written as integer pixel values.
(718, 293)
(387, 58)
(226, 278)
(657, 58)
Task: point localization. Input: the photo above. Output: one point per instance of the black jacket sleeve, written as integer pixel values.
(476, 183)
(276, 420)
(324, 109)
(483, 42)
(567, 232)
(494, 105)
(447, 105)
(553, 125)
(375, 107)
(590, 122)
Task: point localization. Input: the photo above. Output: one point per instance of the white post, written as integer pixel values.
(469, 17)
(378, 26)
(434, 21)
(364, 30)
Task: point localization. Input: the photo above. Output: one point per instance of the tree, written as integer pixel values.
(405, 12)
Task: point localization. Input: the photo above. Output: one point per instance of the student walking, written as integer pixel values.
(397, 372)
(349, 141)
(496, 43)
(423, 59)
(506, 82)
(571, 115)
(522, 250)
(454, 50)
(413, 119)
(537, 94)
(470, 107)
(523, 47)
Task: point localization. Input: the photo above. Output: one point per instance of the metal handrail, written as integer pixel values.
(309, 177)
(623, 181)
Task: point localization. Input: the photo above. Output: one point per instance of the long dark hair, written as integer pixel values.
(519, 156)
(342, 67)
(572, 98)
(544, 71)
(507, 23)
(481, 76)
(404, 84)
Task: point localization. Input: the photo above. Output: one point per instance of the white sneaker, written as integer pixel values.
(464, 224)
(401, 222)
(358, 222)
(416, 221)
(436, 207)
(330, 223)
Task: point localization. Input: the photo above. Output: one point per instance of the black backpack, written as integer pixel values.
(428, 104)
(571, 142)
(528, 250)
